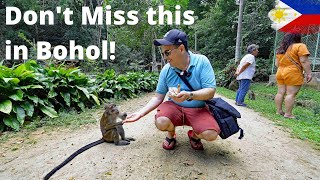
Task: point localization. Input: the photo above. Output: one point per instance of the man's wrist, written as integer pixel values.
(190, 98)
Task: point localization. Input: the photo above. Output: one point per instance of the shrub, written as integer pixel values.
(30, 90)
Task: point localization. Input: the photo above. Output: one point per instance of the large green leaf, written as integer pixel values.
(5, 72)
(31, 87)
(28, 107)
(27, 74)
(95, 98)
(66, 97)
(19, 70)
(74, 71)
(21, 114)
(106, 90)
(49, 111)
(12, 122)
(52, 93)
(6, 106)
(35, 99)
(81, 105)
(41, 102)
(45, 102)
(12, 80)
(85, 91)
(18, 96)
(2, 126)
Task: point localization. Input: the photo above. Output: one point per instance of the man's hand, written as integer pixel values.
(173, 91)
(132, 118)
(180, 97)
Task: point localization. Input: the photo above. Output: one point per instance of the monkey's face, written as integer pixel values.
(111, 109)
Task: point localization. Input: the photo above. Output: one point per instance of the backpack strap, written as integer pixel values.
(184, 79)
(241, 133)
(294, 62)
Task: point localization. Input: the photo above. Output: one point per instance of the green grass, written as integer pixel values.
(70, 119)
(307, 124)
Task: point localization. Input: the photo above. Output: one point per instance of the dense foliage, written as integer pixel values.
(226, 78)
(215, 28)
(126, 85)
(218, 30)
(29, 90)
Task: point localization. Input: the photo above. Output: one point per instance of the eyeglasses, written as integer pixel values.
(168, 52)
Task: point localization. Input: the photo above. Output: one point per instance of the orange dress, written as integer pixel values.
(288, 73)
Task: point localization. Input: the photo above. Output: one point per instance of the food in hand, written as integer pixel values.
(173, 91)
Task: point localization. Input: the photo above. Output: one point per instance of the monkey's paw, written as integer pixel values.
(130, 139)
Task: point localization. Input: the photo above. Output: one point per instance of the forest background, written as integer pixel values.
(30, 90)
(213, 33)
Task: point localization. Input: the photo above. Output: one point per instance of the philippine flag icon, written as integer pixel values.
(296, 16)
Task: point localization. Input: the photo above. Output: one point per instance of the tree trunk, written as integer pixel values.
(37, 32)
(154, 58)
(99, 27)
(238, 42)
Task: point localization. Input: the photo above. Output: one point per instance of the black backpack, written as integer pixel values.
(226, 116)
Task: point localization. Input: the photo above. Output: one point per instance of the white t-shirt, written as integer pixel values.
(251, 69)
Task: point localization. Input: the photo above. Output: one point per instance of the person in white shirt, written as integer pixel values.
(245, 72)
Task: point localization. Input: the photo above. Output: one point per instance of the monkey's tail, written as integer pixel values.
(84, 148)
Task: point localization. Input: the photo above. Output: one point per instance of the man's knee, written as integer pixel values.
(209, 135)
(163, 123)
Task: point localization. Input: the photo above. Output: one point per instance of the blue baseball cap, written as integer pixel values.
(173, 36)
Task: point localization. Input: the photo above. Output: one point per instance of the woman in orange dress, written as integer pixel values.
(291, 60)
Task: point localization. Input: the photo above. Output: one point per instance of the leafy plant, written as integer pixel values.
(226, 75)
(28, 90)
(69, 87)
(18, 88)
(125, 86)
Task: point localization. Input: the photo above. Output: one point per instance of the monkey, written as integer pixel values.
(270, 83)
(110, 129)
(233, 85)
(252, 96)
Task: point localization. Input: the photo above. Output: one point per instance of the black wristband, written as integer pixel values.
(190, 97)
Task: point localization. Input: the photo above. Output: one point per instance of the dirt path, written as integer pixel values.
(266, 152)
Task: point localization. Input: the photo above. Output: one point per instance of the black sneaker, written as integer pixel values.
(241, 104)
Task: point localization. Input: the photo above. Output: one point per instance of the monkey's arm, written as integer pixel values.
(122, 134)
(111, 126)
